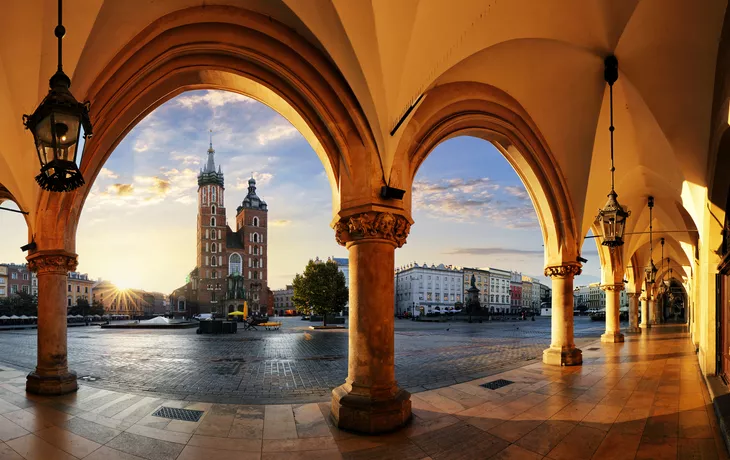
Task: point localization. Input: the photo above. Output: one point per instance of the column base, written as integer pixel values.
(51, 384)
(559, 357)
(612, 337)
(645, 326)
(364, 414)
(634, 330)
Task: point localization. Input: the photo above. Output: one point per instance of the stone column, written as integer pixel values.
(633, 312)
(51, 375)
(370, 400)
(657, 307)
(613, 304)
(562, 351)
(653, 318)
(645, 321)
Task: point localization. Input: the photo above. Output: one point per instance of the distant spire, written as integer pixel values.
(211, 155)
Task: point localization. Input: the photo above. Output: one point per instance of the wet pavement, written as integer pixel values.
(291, 365)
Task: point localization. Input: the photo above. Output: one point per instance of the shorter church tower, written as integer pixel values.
(211, 237)
(252, 220)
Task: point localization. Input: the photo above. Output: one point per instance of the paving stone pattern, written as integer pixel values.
(292, 365)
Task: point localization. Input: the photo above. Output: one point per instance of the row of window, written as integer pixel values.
(211, 192)
(78, 289)
(14, 276)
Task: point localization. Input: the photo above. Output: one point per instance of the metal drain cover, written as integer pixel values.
(496, 384)
(174, 413)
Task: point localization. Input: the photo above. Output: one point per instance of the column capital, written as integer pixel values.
(373, 225)
(563, 271)
(52, 262)
(634, 295)
(612, 287)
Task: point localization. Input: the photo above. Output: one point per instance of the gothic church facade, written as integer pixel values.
(226, 259)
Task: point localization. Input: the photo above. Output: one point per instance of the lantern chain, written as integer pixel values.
(59, 32)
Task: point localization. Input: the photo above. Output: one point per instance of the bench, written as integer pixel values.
(272, 325)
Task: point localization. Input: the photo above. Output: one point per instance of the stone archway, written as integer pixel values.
(481, 110)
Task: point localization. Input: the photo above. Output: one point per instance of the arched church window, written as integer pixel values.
(213, 261)
(235, 264)
(255, 237)
(255, 221)
(212, 221)
(212, 209)
(212, 195)
(213, 248)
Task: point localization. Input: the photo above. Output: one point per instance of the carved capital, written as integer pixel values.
(612, 287)
(53, 262)
(563, 271)
(375, 225)
(634, 295)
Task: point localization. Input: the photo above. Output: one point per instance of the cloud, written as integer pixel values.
(108, 173)
(261, 179)
(280, 223)
(186, 159)
(475, 200)
(497, 252)
(212, 99)
(120, 189)
(275, 132)
(517, 192)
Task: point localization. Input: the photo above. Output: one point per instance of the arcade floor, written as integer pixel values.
(642, 399)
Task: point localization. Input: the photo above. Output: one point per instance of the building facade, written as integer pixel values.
(3, 281)
(423, 289)
(18, 279)
(283, 304)
(527, 293)
(231, 266)
(481, 281)
(515, 292)
(499, 291)
(78, 287)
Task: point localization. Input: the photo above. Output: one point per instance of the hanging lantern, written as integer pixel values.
(56, 126)
(612, 218)
(651, 272)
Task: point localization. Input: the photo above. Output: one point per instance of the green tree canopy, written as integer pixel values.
(320, 290)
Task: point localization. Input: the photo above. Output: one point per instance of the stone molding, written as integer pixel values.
(373, 225)
(563, 271)
(612, 287)
(54, 262)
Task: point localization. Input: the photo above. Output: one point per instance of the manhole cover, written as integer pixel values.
(174, 413)
(495, 384)
(593, 349)
(89, 378)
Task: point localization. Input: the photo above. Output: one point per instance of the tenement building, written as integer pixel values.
(500, 291)
(423, 289)
(481, 281)
(283, 305)
(231, 266)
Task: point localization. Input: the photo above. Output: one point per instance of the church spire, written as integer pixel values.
(208, 174)
(210, 167)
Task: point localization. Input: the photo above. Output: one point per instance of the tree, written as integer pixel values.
(19, 304)
(320, 289)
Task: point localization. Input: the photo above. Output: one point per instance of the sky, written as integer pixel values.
(138, 225)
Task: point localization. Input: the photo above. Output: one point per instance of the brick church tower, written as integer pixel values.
(212, 262)
(252, 222)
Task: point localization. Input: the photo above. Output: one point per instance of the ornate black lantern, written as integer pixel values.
(612, 218)
(651, 270)
(56, 126)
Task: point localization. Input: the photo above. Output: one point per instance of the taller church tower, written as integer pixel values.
(211, 238)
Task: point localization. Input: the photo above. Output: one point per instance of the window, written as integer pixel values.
(255, 237)
(213, 248)
(255, 221)
(78, 288)
(13, 288)
(14, 276)
(69, 301)
(214, 261)
(25, 288)
(69, 288)
(212, 194)
(234, 264)
(212, 222)
(25, 276)
(212, 209)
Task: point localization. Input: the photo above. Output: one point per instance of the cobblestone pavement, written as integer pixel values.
(294, 364)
